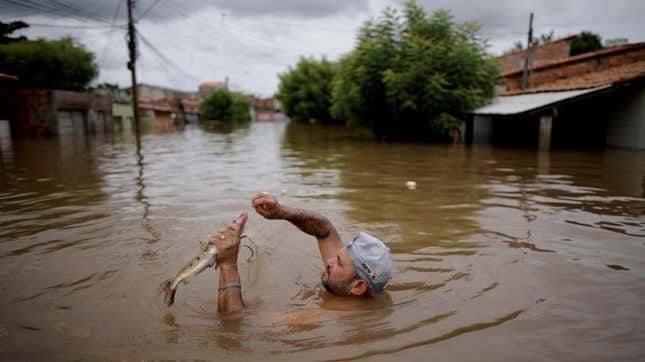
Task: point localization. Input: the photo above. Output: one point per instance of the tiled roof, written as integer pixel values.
(8, 76)
(210, 85)
(580, 57)
(161, 106)
(590, 80)
(190, 106)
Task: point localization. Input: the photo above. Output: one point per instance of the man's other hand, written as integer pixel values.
(267, 206)
(227, 241)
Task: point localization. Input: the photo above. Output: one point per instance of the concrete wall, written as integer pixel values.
(626, 127)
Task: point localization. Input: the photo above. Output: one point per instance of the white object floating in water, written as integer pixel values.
(283, 192)
(411, 185)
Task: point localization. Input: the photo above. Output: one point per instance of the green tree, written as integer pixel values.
(585, 42)
(414, 77)
(306, 90)
(58, 64)
(225, 105)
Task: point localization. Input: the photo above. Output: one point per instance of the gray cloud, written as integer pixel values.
(164, 10)
(509, 19)
(250, 41)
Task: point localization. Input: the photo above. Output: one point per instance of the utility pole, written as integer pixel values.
(527, 59)
(132, 48)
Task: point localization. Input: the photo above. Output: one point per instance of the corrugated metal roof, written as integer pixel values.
(520, 103)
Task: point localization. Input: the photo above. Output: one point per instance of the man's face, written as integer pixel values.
(340, 273)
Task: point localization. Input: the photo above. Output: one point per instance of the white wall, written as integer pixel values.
(626, 128)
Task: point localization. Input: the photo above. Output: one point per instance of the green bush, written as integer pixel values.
(306, 91)
(585, 42)
(58, 64)
(413, 77)
(226, 106)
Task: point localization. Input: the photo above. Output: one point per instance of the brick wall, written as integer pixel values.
(576, 66)
(542, 54)
(26, 109)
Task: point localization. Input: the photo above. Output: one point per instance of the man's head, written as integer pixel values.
(363, 266)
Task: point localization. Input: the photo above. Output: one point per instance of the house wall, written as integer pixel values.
(28, 110)
(122, 117)
(626, 127)
(97, 110)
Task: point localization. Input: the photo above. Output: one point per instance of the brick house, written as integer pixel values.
(594, 99)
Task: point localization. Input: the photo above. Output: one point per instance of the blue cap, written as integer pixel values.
(372, 260)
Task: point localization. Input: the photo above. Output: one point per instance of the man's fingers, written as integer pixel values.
(217, 241)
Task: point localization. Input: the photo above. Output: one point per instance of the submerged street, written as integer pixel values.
(499, 253)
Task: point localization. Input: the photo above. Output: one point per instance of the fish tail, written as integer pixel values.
(169, 293)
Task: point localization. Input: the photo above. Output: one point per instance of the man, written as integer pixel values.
(361, 268)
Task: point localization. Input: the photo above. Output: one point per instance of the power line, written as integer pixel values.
(78, 10)
(65, 10)
(47, 9)
(163, 57)
(109, 37)
(148, 9)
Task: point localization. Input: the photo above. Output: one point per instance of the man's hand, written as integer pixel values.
(227, 241)
(267, 206)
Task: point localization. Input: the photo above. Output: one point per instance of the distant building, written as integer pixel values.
(157, 93)
(157, 105)
(610, 43)
(156, 116)
(266, 109)
(190, 109)
(207, 88)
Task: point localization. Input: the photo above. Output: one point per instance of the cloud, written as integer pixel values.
(251, 41)
(164, 10)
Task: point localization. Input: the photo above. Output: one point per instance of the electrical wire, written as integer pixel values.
(109, 37)
(148, 9)
(49, 10)
(164, 57)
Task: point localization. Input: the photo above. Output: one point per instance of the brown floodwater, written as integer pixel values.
(499, 253)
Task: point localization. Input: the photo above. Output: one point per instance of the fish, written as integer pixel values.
(205, 259)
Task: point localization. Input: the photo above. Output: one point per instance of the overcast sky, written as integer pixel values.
(251, 41)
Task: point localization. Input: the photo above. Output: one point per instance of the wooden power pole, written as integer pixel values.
(132, 48)
(527, 59)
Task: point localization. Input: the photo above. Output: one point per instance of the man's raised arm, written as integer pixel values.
(310, 222)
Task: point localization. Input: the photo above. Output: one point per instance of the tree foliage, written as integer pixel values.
(226, 106)
(413, 77)
(7, 28)
(58, 64)
(585, 42)
(306, 90)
